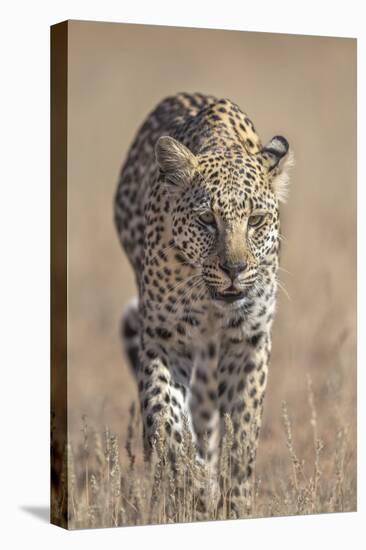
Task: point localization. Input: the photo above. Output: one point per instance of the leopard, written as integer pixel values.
(197, 212)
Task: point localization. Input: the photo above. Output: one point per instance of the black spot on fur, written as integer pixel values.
(221, 388)
(178, 437)
(163, 333)
(129, 331)
(211, 350)
(241, 386)
(254, 340)
(249, 367)
(151, 354)
(156, 408)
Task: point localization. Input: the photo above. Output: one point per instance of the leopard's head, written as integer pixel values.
(225, 211)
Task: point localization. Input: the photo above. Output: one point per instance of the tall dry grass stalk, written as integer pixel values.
(108, 484)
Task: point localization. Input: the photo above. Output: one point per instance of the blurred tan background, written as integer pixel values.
(299, 86)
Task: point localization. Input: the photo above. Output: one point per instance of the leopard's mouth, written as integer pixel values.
(229, 295)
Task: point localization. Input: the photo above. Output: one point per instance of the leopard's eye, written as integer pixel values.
(207, 218)
(256, 220)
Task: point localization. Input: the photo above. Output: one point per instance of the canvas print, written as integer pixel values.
(203, 264)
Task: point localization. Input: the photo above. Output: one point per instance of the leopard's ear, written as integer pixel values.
(278, 159)
(274, 152)
(175, 160)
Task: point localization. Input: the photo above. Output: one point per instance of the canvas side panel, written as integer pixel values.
(59, 470)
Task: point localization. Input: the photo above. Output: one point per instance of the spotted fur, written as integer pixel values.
(197, 212)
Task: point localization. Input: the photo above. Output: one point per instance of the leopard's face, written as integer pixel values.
(225, 221)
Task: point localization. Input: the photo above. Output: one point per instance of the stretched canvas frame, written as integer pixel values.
(75, 475)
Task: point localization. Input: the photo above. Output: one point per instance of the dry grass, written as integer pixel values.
(110, 485)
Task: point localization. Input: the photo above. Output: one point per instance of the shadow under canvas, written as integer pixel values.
(40, 512)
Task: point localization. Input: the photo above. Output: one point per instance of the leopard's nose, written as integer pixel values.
(233, 270)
